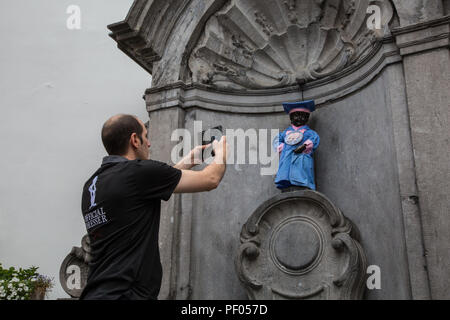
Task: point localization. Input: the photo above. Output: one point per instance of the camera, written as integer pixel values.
(215, 133)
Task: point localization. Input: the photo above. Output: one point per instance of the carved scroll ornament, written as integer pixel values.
(298, 245)
(74, 270)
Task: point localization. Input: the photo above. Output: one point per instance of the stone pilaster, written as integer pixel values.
(161, 148)
(425, 50)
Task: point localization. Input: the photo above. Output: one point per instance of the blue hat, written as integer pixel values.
(303, 106)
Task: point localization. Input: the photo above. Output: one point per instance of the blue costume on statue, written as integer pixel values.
(297, 169)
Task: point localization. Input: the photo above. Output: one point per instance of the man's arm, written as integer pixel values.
(209, 178)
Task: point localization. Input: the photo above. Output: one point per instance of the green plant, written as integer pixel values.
(20, 284)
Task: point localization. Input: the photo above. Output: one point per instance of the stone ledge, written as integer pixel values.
(423, 36)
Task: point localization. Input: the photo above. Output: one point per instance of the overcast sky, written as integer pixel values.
(57, 86)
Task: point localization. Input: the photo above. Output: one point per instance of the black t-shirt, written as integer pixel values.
(121, 205)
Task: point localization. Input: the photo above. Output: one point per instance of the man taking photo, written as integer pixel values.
(121, 205)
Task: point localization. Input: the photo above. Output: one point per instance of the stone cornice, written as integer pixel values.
(420, 26)
(433, 34)
(144, 32)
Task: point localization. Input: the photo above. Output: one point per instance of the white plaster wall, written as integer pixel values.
(57, 88)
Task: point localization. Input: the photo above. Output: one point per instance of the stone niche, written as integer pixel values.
(274, 44)
(233, 63)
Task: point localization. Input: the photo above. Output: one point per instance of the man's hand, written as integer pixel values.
(209, 178)
(221, 150)
(196, 154)
(192, 159)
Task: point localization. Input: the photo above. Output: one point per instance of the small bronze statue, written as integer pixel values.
(296, 146)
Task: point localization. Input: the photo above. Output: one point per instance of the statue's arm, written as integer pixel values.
(281, 141)
(311, 144)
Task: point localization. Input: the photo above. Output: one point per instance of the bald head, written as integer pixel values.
(116, 133)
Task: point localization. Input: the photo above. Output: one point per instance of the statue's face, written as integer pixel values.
(299, 119)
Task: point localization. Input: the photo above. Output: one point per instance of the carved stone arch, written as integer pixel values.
(254, 79)
(152, 36)
(265, 44)
(144, 33)
(193, 38)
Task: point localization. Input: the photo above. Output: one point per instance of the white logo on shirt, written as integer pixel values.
(93, 190)
(95, 218)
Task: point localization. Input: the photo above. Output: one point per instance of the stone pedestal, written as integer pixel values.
(298, 245)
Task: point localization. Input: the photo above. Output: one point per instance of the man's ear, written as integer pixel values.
(134, 141)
